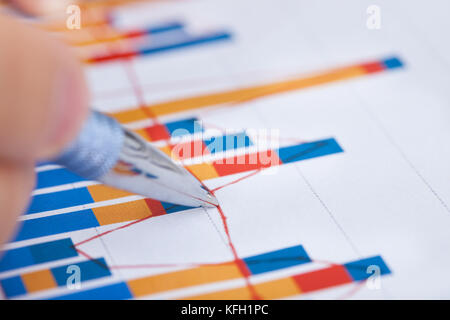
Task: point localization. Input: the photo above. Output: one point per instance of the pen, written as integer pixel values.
(107, 152)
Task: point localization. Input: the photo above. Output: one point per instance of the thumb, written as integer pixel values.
(43, 93)
(41, 7)
(43, 101)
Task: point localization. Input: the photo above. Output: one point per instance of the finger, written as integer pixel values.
(41, 7)
(16, 183)
(42, 91)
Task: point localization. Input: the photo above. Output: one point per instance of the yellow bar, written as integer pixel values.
(241, 95)
(242, 293)
(107, 36)
(101, 192)
(167, 150)
(108, 3)
(38, 281)
(275, 289)
(122, 212)
(203, 171)
(143, 133)
(182, 279)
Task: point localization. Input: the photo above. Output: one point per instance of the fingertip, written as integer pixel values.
(69, 104)
(41, 7)
(43, 90)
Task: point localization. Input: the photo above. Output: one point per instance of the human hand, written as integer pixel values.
(40, 7)
(43, 102)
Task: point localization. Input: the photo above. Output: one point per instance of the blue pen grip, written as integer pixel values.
(96, 149)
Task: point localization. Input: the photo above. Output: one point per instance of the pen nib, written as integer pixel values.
(211, 201)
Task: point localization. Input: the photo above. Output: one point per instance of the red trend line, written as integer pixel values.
(237, 180)
(140, 97)
(356, 287)
(110, 231)
(132, 76)
(239, 262)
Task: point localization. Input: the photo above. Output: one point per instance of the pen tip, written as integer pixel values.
(211, 201)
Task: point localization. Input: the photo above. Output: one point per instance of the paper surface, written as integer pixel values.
(357, 205)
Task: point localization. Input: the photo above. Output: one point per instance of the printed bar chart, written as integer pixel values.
(64, 203)
(249, 93)
(270, 261)
(300, 283)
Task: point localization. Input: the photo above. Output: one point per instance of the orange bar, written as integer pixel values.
(101, 192)
(143, 133)
(182, 279)
(94, 13)
(275, 289)
(242, 95)
(39, 280)
(203, 171)
(122, 212)
(108, 3)
(166, 150)
(85, 38)
(242, 293)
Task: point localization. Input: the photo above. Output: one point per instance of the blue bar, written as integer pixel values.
(13, 286)
(228, 142)
(276, 260)
(392, 63)
(169, 26)
(89, 270)
(53, 250)
(59, 200)
(59, 223)
(36, 254)
(309, 150)
(190, 41)
(359, 270)
(116, 291)
(16, 258)
(171, 208)
(55, 177)
(189, 126)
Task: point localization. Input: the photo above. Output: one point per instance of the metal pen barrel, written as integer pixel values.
(96, 149)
